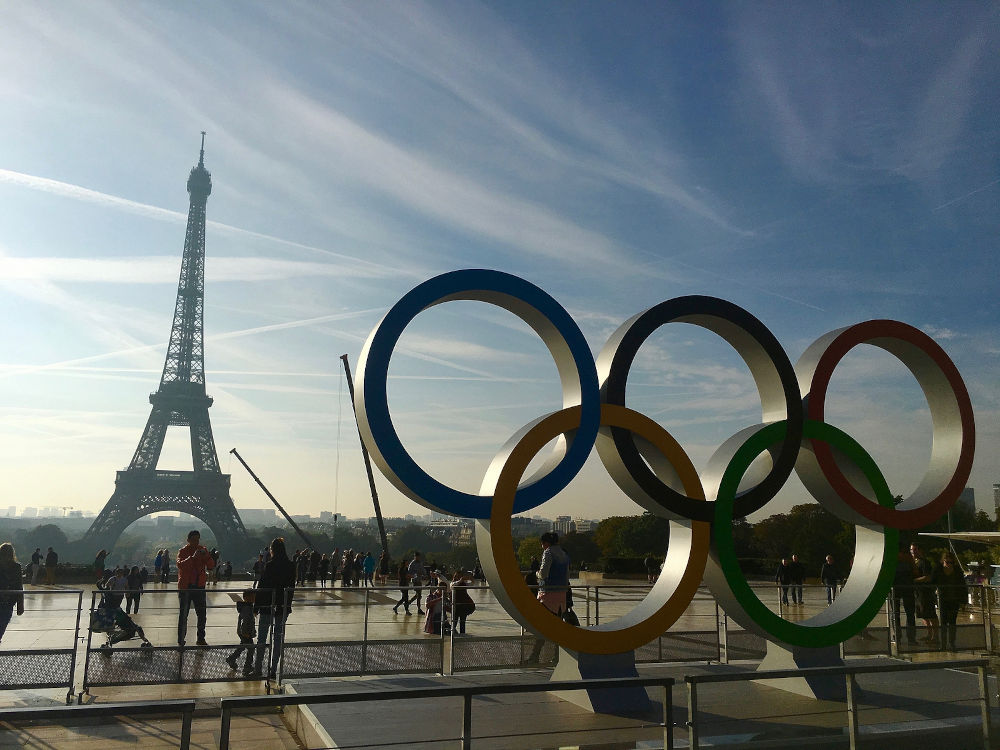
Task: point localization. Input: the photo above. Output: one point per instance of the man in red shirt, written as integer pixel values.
(193, 561)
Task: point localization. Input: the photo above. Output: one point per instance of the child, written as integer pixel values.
(437, 611)
(246, 629)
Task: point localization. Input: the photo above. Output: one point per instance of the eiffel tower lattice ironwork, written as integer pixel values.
(180, 400)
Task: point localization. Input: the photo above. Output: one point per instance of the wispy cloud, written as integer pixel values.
(360, 266)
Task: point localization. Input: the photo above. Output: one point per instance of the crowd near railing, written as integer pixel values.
(336, 632)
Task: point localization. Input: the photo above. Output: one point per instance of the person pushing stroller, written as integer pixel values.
(109, 618)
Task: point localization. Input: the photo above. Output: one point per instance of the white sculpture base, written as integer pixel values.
(619, 701)
(823, 688)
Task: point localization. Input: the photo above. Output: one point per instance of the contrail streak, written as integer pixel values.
(76, 192)
(987, 186)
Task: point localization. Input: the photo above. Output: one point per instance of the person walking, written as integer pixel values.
(134, 590)
(258, 569)
(952, 594)
(36, 565)
(461, 602)
(165, 568)
(368, 567)
(404, 589)
(51, 562)
(923, 577)
(783, 577)
(416, 572)
(383, 568)
(193, 564)
(157, 565)
(11, 586)
(324, 569)
(830, 577)
(272, 605)
(798, 578)
(246, 629)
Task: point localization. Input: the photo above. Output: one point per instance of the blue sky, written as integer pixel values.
(819, 165)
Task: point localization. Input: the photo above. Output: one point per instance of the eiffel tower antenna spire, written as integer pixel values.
(180, 401)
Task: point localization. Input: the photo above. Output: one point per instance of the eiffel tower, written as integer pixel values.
(179, 401)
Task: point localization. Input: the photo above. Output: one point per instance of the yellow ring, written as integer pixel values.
(687, 552)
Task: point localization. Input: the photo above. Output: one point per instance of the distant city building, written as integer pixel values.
(258, 516)
(996, 496)
(12, 510)
(968, 500)
(29, 513)
(74, 514)
(584, 525)
(326, 516)
(301, 518)
(563, 525)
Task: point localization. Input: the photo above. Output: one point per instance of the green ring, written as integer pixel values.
(796, 634)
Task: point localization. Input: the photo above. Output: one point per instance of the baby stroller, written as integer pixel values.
(110, 619)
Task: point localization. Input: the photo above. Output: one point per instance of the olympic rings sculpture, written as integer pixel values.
(650, 467)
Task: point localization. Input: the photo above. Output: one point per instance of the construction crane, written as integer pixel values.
(274, 500)
(368, 463)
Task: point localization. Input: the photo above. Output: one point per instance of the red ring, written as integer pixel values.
(870, 332)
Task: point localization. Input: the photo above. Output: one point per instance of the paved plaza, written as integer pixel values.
(943, 701)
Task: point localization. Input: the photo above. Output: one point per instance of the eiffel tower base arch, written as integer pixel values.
(140, 493)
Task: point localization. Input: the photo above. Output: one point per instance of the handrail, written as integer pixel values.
(466, 692)
(850, 672)
(45, 713)
(774, 674)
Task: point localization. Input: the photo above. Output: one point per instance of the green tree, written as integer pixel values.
(643, 535)
(44, 536)
(581, 548)
(606, 535)
(529, 547)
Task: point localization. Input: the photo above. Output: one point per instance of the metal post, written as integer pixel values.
(186, 727)
(721, 635)
(942, 638)
(467, 721)
(364, 639)
(984, 706)
(72, 656)
(597, 605)
(281, 639)
(987, 617)
(668, 716)
(852, 711)
(451, 643)
(227, 716)
(588, 605)
(90, 636)
(692, 722)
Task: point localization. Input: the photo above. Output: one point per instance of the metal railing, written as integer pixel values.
(850, 674)
(138, 708)
(466, 692)
(32, 668)
(341, 631)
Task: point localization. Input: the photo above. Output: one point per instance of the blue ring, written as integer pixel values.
(476, 284)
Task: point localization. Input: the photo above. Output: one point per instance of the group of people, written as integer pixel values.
(51, 562)
(933, 593)
(262, 610)
(791, 577)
